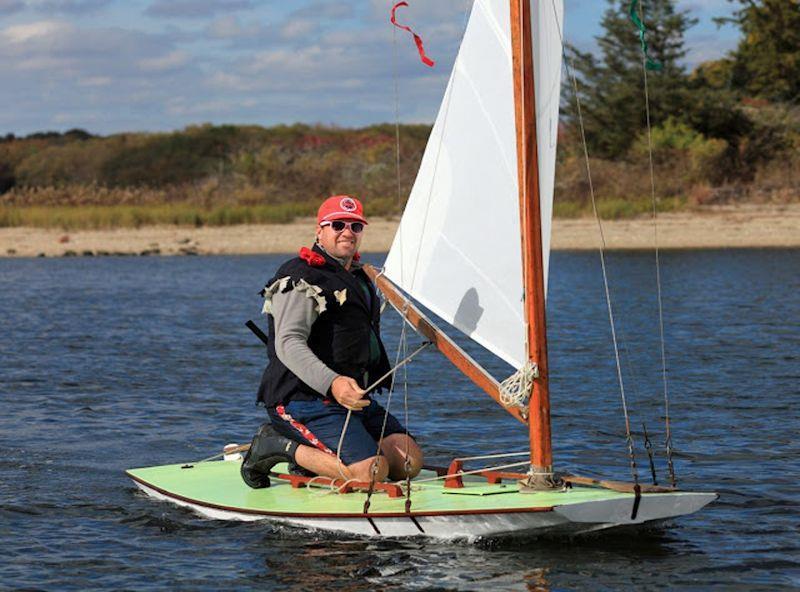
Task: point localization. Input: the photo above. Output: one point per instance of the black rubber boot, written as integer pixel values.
(266, 450)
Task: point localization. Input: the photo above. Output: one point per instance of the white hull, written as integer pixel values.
(567, 520)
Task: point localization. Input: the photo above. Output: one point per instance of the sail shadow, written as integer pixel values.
(469, 312)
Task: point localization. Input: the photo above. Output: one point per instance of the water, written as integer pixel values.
(107, 364)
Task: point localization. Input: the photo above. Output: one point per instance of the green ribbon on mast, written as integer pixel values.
(650, 63)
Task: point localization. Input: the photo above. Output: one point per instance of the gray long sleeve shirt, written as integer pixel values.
(294, 314)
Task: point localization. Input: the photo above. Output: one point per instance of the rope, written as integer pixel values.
(332, 487)
(648, 446)
(473, 472)
(339, 463)
(516, 389)
(668, 435)
(403, 362)
(501, 455)
(396, 113)
(407, 463)
(374, 472)
(574, 86)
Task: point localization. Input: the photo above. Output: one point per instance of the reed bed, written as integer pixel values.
(124, 216)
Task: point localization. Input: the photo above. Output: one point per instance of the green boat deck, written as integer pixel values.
(217, 484)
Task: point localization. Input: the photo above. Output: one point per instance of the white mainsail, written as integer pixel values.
(457, 250)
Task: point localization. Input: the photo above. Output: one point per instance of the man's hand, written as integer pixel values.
(347, 392)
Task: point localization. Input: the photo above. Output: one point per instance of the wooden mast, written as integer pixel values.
(531, 227)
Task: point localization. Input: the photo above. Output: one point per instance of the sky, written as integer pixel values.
(109, 66)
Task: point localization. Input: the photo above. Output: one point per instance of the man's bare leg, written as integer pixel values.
(394, 448)
(328, 465)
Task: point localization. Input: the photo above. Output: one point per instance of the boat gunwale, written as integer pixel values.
(413, 513)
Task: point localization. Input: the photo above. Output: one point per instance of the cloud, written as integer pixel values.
(73, 7)
(20, 34)
(95, 81)
(272, 65)
(325, 10)
(112, 49)
(66, 75)
(195, 8)
(707, 47)
(298, 29)
(9, 6)
(719, 6)
(170, 61)
(68, 6)
(229, 27)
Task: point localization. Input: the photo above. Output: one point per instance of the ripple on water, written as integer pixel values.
(146, 362)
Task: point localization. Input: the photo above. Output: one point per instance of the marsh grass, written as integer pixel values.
(94, 217)
(617, 208)
(125, 216)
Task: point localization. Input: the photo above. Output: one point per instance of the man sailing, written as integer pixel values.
(324, 349)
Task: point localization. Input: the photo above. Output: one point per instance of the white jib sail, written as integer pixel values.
(457, 250)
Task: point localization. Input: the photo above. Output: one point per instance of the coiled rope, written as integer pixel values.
(516, 389)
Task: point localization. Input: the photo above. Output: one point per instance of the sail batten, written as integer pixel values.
(457, 249)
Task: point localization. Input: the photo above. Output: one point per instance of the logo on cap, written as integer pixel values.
(348, 204)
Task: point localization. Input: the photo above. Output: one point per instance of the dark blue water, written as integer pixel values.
(107, 364)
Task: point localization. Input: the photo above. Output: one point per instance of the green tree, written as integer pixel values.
(766, 63)
(611, 83)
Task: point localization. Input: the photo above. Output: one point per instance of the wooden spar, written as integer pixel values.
(531, 227)
(457, 356)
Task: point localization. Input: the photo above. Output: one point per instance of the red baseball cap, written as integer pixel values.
(341, 207)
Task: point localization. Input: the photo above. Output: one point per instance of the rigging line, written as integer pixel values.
(396, 76)
(366, 390)
(407, 462)
(501, 455)
(374, 472)
(474, 472)
(668, 433)
(574, 79)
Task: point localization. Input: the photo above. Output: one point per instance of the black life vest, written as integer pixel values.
(341, 335)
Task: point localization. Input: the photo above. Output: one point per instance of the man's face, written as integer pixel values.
(342, 244)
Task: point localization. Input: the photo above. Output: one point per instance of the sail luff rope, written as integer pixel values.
(668, 432)
(573, 77)
(519, 377)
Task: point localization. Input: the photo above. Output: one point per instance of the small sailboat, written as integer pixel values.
(487, 173)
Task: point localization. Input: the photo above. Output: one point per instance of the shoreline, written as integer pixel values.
(743, 226)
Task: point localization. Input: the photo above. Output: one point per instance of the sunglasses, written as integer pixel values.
(340, 225)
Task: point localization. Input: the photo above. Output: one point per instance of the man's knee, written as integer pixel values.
(363, 470)
(412, 464)
(405, 456)
(415, 463)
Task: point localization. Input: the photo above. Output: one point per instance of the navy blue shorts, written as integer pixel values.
(319, 423)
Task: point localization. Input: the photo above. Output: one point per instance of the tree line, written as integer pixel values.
(725, 124)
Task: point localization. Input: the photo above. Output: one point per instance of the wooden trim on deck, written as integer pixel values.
(621, 486)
